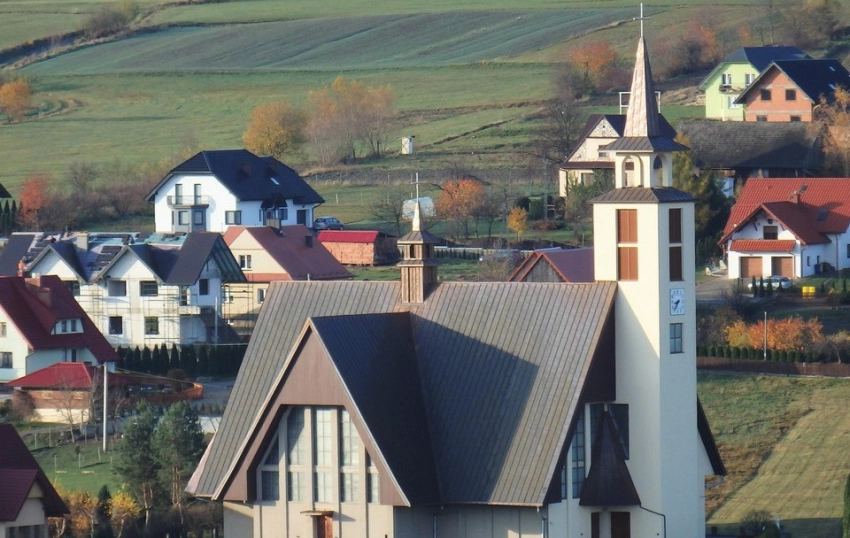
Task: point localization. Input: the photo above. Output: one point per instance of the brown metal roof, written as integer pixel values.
(654, 195)
(501, 368)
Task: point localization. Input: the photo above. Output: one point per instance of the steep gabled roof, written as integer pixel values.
(815, 78)
(500, 396)
(4, 193)
(247, 176)
(15, 250)
(295, 249)
(758, 57)
(617, 122)
(609, 482)
(19, 472)
(752, 145)
(571, 265)
(35, 306)
(808, 207)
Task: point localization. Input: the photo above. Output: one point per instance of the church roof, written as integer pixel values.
(499, 396)
(653, 195)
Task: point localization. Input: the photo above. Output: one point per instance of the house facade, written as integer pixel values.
(450, 409)
(791, 227)
(735, 73)
(789, 90)
(216, 189)
(41, 324)
(266, 255)
(28, 497)
(139, 290)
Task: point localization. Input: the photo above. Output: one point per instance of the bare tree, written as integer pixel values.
(389, 208)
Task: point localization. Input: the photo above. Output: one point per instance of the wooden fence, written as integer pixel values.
(825, 369)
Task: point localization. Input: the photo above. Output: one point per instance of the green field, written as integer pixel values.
(468, 77)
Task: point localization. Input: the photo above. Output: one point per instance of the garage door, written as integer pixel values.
(782, 266)
(751, 267)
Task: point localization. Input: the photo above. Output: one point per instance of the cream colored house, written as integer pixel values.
(435, 409)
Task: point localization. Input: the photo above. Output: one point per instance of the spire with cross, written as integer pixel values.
(641, 19)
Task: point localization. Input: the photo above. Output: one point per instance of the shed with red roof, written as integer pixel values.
(360, 247)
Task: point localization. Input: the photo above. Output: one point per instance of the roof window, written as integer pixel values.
(275, 181)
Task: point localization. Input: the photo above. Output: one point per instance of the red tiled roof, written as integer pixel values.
(62, 375)
(763, 245)
(34, 305)
(348, 236)
(18, 473)
(575, 265)
(288, 247)
(823, 207)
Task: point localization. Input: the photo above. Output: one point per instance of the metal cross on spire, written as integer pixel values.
(641, 19)
(416, 182)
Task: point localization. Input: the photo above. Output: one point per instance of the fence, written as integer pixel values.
(473, 253)
(828, 369)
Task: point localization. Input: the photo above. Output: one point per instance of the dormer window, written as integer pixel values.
(770, 232)
(68, 326)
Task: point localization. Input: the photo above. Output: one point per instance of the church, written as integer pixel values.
(435, 409)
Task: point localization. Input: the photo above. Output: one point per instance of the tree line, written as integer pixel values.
(193, 360)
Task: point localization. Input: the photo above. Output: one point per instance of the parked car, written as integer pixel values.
(327, 223)
(776, 282)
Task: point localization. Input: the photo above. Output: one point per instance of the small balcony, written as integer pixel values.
(188, 201)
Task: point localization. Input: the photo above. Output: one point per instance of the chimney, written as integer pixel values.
(83, 241)
(21, 267)
(42, 293)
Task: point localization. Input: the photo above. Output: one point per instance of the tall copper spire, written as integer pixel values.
(642, 114)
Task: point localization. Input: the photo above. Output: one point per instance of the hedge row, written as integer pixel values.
(194, 360)
(730, 352)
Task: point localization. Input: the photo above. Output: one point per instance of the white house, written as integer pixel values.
(138, 290)
(792, 227)
(216, 189)
(28, 497)
(41, 324)
(435, 409)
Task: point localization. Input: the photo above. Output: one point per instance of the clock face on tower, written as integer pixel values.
(677, 301)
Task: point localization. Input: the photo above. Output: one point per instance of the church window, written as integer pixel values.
(627, 244)
(322, 455)
(349, 458)
(295, 454)
(676, 338)
(578, 472)
(373, 483)
(270, 474)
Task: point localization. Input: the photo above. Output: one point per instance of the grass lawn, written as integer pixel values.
(87, 470)
(783, 441)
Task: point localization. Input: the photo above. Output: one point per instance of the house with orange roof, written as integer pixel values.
(27, 498)
(791, 227)
(268, 254)
(41, 324)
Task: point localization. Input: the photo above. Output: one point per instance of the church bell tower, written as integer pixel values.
(644, 240)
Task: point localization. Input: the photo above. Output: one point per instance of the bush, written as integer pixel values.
(109, 20)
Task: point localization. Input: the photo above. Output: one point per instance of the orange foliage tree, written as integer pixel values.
(788, 334)
(34, 198)
(15, 99)
(460, 201)
(275, 129)
(593, 59)
(518, 221)
(834, 116)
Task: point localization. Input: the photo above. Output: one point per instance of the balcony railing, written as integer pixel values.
(188, 201)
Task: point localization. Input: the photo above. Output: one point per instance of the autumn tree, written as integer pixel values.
(810, 24)
(562, 117)
(34, 198)
(518, 221)
(593, 59)
(788, 334)
(15, 99)
(697, 49)
(346, 114)
(123, 512)
(577, 208)
(275, 129)
(833, 116)
(458, 202)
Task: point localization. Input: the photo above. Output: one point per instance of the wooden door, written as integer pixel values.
(325, 526)
(620, 525)
(751, 266)
(782, 266)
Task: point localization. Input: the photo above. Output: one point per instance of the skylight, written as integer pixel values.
(275, 181)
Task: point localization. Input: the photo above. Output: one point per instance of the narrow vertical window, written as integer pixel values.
(627, 236)
(373, 486)
(674, 230)
(578, 472)
(295, 455)
(322, 455)
(349, 459)
(676, 338)
(270, 474)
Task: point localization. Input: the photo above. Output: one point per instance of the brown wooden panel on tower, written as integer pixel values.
(676, 264)
(675, 228)
(627, 226)
(627, 259)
